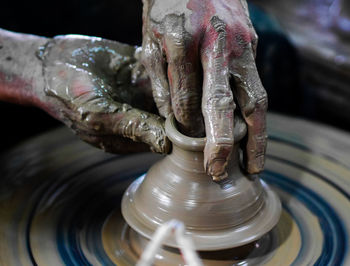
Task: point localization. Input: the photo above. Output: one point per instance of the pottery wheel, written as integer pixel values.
(60, 201)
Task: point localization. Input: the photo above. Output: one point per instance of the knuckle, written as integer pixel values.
(150, 52)
(262, 101)
(176, 48)
(243, 34)
(220, 27)
(92, 123)
(218, 24)
(176, 38)
(174, 26)
(186, 100)
(163, 105)
(220, 100)
(255, 37)
(256, 103)
(259, 102)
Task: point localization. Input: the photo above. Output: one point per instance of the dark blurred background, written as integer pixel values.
(277, 60)
(112, 19)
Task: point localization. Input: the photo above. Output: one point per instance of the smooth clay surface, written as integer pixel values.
(231, 213)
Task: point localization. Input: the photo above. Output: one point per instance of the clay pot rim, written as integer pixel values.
(181, 140)
(197, 144)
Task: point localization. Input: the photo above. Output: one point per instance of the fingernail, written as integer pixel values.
(217, 170)
(255, 168)
(220, 178)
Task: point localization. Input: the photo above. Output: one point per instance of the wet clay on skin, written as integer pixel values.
(191, 51)
(20, 69)
(93, 79)
(92, 85)
(88, 83)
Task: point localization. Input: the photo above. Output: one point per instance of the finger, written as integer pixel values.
(139, 76)
(248, 22)
(184, 79)
(217, 106)
(252, 99)
(96, 113)
(155, 65)
(86, 102)
(124, 121)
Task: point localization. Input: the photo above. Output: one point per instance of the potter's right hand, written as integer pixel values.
(199, 55)
(88, 81)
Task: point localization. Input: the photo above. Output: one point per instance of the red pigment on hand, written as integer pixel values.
(79, 88)
(238, 33)
(17, 90)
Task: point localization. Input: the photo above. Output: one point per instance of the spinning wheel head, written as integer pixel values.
(60, 203)
(217, 216)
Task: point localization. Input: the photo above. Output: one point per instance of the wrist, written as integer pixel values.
(21, 78)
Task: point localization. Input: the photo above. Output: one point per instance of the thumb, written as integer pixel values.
(124, 121)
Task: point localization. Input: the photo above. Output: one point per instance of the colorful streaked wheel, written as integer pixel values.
(60, 199)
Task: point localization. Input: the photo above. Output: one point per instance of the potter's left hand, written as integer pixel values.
(94, 86)
(182, 39)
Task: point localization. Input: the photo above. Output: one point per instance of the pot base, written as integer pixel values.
(224, 215)
(124, 246)
(60, 202)
(205, 240)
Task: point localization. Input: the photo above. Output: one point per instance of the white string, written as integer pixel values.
(186, 246)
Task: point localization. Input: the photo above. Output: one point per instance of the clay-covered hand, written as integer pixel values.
(200, 56)
(93, 87)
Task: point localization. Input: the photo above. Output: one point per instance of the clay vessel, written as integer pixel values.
(218, 216)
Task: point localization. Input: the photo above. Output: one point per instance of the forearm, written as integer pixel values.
(21, 78)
